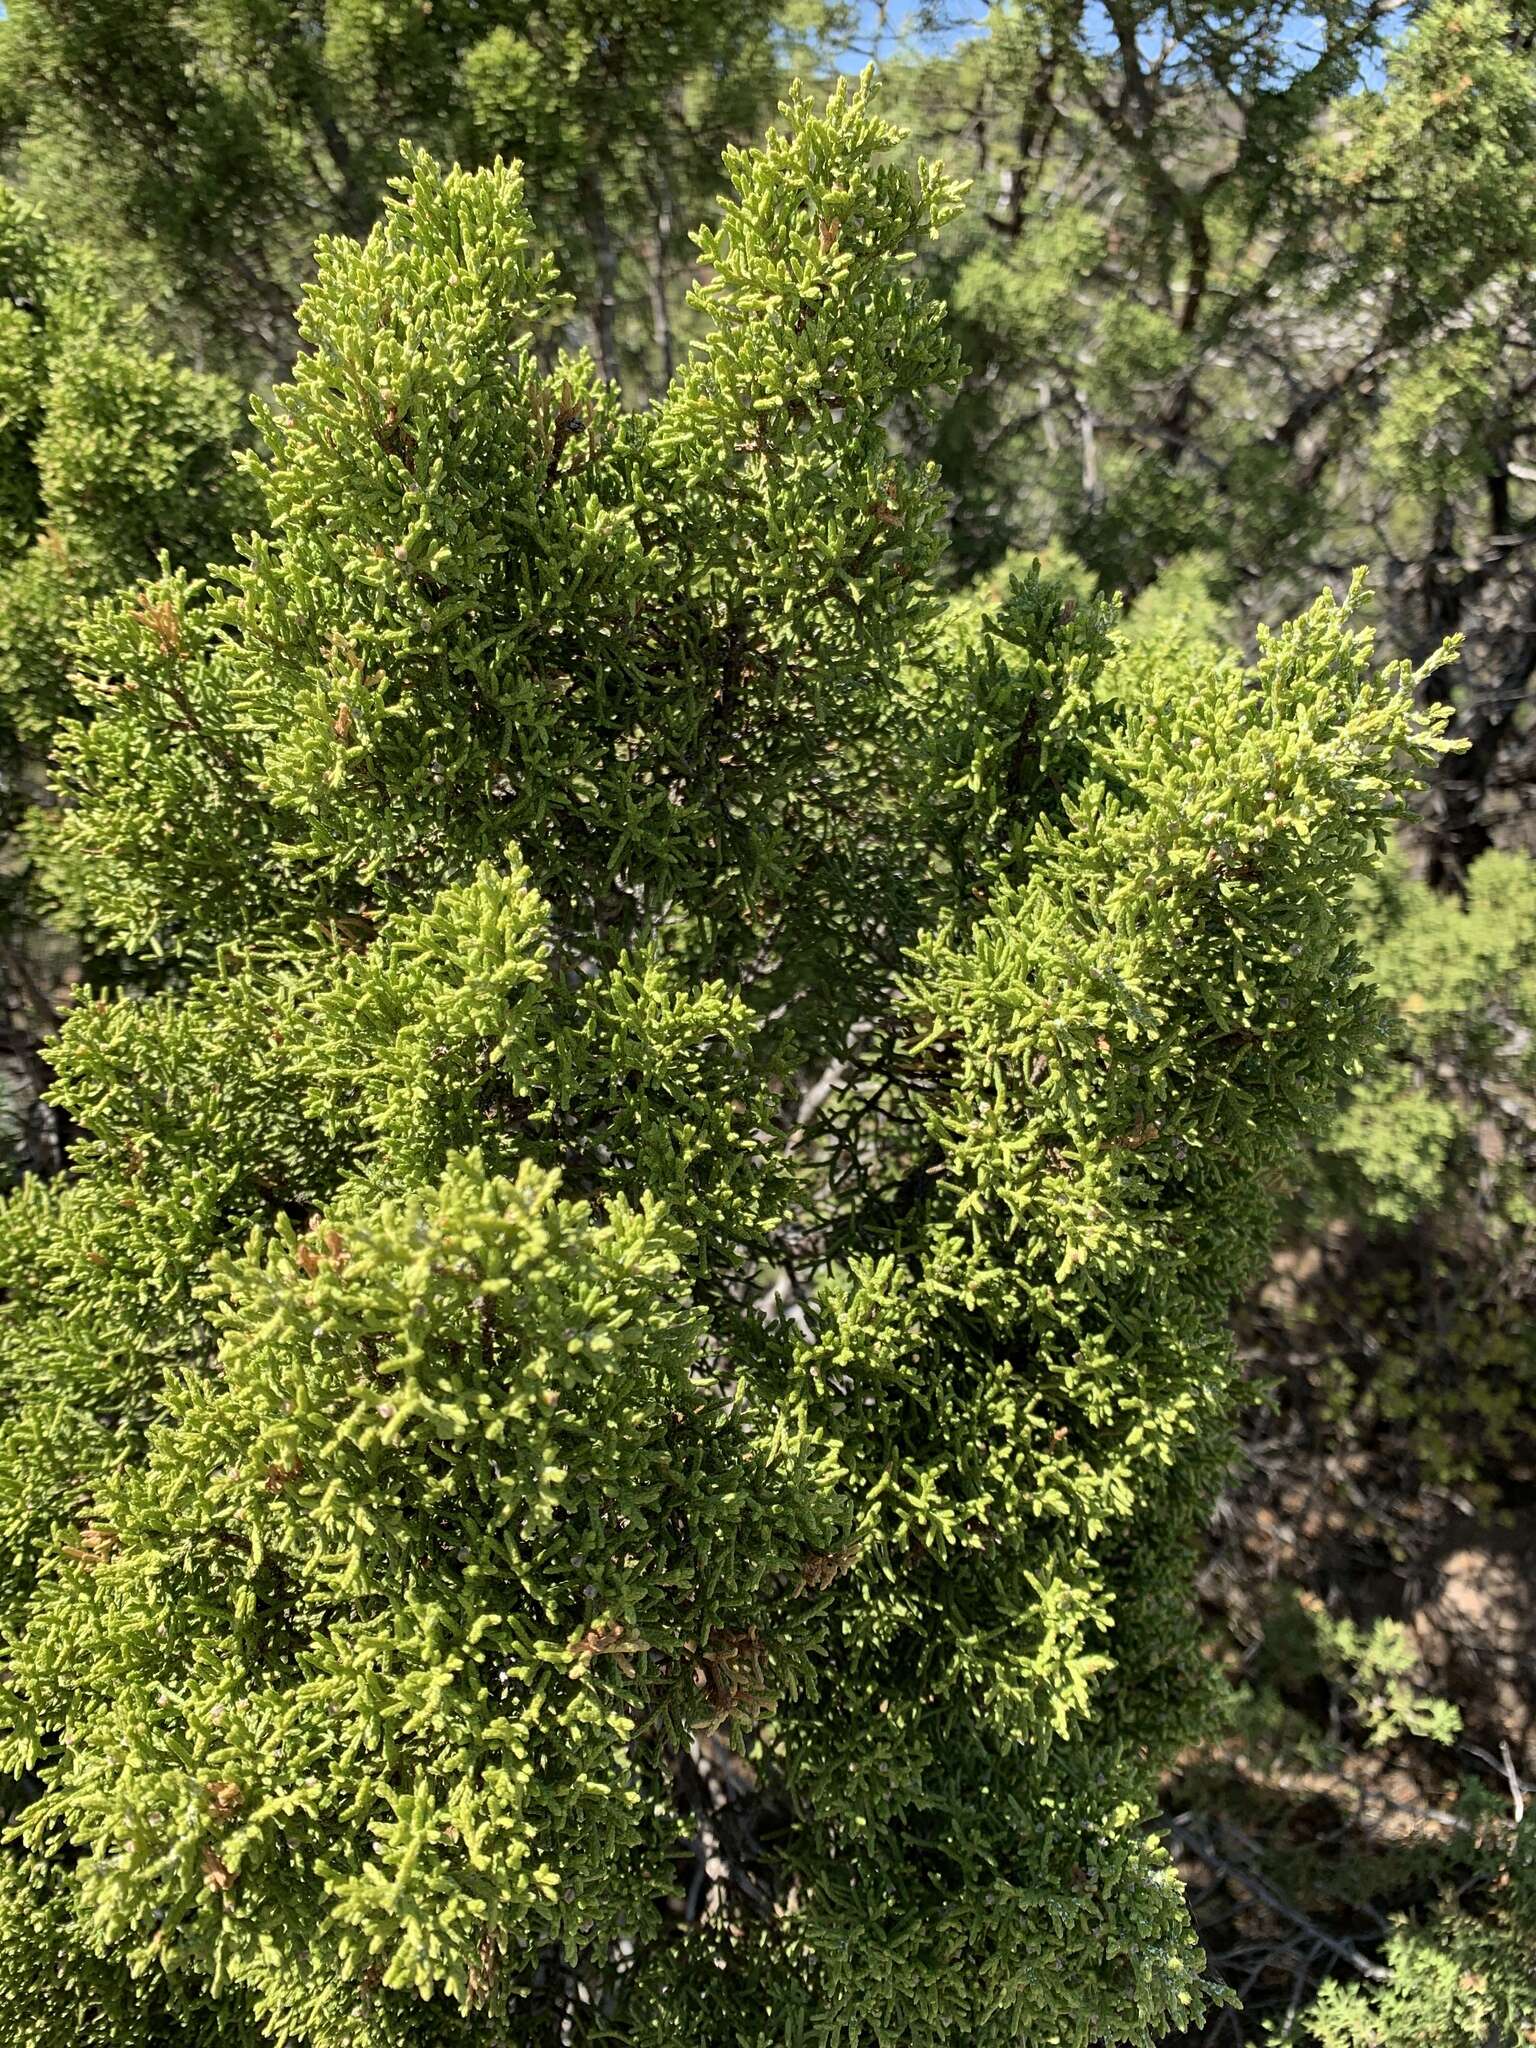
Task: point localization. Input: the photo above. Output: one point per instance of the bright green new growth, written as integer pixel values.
(606, 1440)
(1373, 1668)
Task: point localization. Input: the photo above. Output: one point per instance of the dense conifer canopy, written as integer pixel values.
(606, 1438)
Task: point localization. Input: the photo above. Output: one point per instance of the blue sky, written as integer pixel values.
(967, 13)
(1300, 35)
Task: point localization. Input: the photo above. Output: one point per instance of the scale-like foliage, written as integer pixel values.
(1402, 1318)
(110, 456)
(607, 1438)
(1460, 1981)
(112, 460)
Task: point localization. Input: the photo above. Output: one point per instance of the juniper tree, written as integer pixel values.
(607, 1438)
(1419, 1199)
(1461, 1981)
(113, 459)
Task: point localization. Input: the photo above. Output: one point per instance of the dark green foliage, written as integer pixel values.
(110, 457)
(57, 1992)
(113, 460)
(198, 150)
(609, 1437)
(1407, 1316)
(1370, 1556)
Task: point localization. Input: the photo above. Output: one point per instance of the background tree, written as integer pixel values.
(1251, 290)
(199, 151)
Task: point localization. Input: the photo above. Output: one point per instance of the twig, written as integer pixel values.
(1258, 1888)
